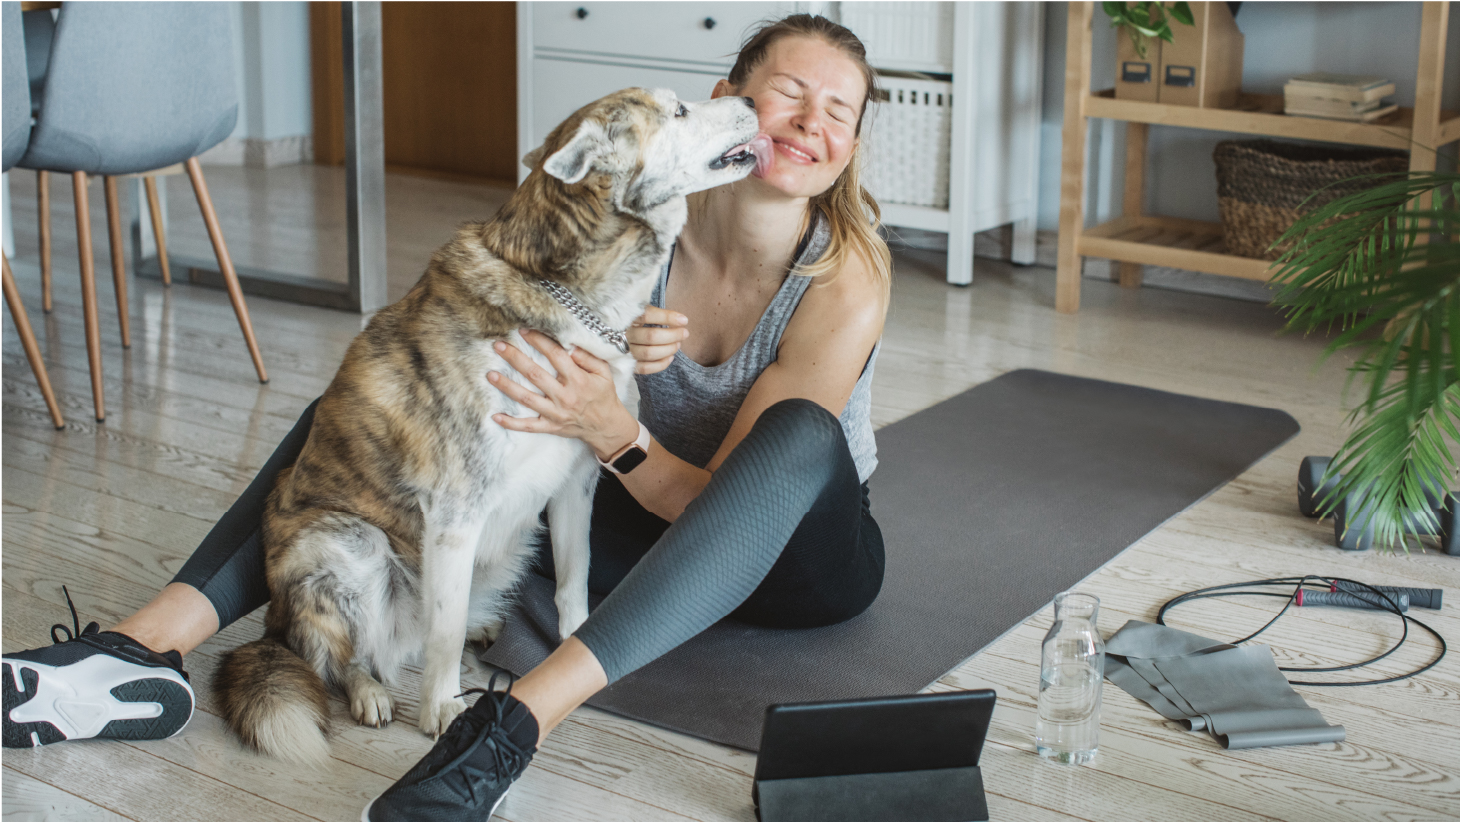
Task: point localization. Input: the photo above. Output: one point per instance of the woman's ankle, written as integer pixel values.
(565, 680)
(179, 618)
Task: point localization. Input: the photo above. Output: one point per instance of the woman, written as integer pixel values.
(752, 501)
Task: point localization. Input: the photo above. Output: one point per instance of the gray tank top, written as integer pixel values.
(689, 407)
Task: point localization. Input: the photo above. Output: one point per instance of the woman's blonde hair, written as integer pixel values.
(851, 213)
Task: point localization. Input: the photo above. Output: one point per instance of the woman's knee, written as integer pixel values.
(804, 429)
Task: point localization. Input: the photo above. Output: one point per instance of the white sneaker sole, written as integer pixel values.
(100, 696)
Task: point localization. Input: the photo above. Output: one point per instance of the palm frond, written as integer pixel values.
(1381, 268)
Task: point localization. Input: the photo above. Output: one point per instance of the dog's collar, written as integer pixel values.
(586, 315)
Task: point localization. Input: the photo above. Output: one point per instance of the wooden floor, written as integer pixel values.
(113, 510)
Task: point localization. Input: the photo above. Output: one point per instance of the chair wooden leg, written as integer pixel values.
(119, 262)
(27, 339)
(88, 289)
(225, 264)
(158, 233)
(43, 209)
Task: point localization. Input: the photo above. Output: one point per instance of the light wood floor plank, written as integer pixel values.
(31, 800)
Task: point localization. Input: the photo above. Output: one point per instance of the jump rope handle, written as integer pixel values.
(1342, 599)
(1418, 597)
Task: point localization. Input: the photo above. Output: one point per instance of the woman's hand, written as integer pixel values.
(579, 403)
(653, 347)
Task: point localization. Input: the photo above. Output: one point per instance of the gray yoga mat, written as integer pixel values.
(990, 503)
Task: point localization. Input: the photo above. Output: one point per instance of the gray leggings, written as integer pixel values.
(781, 536)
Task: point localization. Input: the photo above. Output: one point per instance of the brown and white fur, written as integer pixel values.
(407, 518)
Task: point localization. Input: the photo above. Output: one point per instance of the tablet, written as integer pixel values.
(877, 735)
(887, 759)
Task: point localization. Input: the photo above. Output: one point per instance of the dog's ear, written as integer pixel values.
(532, 158)
(572, 162)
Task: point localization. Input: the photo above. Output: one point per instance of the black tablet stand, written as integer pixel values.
(893, 759)
(937, 795)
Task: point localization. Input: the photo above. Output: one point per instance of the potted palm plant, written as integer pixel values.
(1382, 268)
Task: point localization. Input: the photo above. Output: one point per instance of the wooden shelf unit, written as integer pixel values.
(1136, 238)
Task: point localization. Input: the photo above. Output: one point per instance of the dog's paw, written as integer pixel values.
(370, 704)
(485, 634)
(571, 616)
(435, 719)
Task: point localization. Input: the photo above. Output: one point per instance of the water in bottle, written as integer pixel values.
(1072, 671)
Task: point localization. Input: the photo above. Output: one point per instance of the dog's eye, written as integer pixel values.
(681, 111)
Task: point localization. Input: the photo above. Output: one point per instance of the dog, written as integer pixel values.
(410, 514)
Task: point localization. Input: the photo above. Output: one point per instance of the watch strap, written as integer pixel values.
(640, 444)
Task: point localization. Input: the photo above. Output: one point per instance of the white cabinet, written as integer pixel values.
(569, 54)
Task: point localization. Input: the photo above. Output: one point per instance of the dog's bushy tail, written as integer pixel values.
(275, 702)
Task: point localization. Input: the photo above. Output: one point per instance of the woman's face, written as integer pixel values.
(808, 95)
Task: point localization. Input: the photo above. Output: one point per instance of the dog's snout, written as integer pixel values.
(749, 101)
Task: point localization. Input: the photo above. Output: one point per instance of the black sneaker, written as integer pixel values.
(467, 774)
(91, 684)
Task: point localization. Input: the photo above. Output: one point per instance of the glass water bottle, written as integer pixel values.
(1072, 670)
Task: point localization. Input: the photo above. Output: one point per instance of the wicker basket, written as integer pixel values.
(907, 146)
(1261, 185)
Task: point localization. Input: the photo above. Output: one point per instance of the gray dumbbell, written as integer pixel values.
(1311, 489)
(1353, 529)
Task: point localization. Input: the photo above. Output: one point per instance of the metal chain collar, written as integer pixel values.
(586, 316)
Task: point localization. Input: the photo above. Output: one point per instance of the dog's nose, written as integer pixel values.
(749, 101)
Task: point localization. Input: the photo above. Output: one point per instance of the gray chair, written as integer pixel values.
(133, 87)
(39, 27)
(15, 122)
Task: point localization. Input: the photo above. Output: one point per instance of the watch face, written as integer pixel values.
(630, 460)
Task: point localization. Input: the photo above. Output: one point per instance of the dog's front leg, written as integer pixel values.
(448, 553)
(569, 519)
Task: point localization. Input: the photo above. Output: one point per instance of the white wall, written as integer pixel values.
(1282, 40)
(272, 71)
(271, 50)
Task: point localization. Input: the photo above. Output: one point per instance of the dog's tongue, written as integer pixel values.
(760, 146)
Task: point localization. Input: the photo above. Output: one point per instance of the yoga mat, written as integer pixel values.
(990, 503)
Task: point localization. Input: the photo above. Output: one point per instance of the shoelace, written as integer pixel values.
(506, 756)
(74, 630)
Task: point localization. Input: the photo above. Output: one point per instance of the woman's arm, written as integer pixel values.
(822, 351)
(581, 402)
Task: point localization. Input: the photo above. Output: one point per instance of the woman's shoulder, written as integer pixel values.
(849, 304)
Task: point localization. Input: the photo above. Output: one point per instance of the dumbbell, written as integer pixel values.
(1353, 529)
(1311, 488)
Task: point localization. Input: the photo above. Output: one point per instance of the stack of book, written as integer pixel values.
(1338, 97)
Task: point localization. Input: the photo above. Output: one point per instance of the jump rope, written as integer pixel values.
(1313, 590)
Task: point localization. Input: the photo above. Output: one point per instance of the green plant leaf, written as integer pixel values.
(1182, 13)
(1384, 274)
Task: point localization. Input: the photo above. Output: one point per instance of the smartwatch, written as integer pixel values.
(630, 456)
